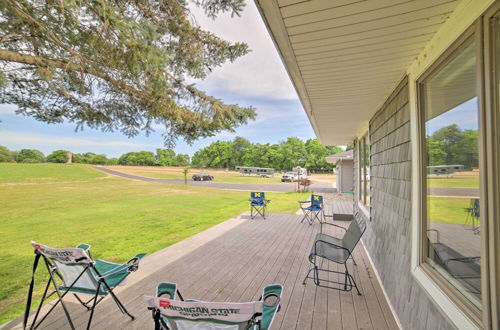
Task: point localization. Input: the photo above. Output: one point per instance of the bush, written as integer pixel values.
(5, 155)
(141, 158)
(30, 156)
(58, 156)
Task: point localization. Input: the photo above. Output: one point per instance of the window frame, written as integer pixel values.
(472, 34)
(483, 19)
(361, 200)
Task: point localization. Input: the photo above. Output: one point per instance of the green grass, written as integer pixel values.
(33, 173)
(448, 209)
(175, 173)
(455, 182)
(118, 217)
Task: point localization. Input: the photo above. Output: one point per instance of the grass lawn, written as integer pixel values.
(455, 182)
(118, 217)
(12, 172)
(448, 209)
(176, 173)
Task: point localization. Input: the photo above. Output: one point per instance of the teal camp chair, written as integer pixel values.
(258, 204)
(80, 275)
(314, 211)
(171, 312)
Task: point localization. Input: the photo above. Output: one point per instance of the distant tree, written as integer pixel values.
(141, 158)
(435, 152)
(112, 161)
(316, 154)
(117, 65)
(30, 156)
(58, 156)
(5, 155)
(181, 160)
(165, 157)
(98, 160)
(294, 153)
(83, 158)
(240, 145)
(451, 145)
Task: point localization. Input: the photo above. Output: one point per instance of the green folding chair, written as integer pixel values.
(171, 312)
(72, 270)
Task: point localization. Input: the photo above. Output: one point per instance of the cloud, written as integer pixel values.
(30, 140)
(259, 73)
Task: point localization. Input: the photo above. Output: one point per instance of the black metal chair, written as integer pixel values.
(338, 250)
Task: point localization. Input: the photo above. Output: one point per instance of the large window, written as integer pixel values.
(364, 170)
(456, 176)
(452, 215)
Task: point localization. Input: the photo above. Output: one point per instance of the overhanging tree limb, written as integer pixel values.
(116, 65)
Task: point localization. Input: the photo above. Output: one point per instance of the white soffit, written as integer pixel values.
(346, 56)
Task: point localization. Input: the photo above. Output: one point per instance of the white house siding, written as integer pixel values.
(388, 238)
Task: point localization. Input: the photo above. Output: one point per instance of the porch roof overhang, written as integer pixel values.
(333, 159)
(345, 57)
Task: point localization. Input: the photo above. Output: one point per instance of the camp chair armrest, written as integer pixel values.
(331, 224)
(303, 202)
(84, 246)
(133, 263)
(267, 200)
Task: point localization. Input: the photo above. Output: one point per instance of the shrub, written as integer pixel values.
(5, 155)
(30, 156)
(58, 156)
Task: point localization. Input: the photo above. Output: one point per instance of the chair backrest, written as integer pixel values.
(475, 207)
(73, 264)
(354, 232)
(205, 315)
(257, 196)
(316, 200)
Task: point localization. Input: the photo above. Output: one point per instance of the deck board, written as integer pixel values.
(236, 265)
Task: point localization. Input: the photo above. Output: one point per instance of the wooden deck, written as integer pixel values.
(233, 261)
(339, 206)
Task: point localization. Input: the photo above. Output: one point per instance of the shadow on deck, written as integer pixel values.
(233, 261)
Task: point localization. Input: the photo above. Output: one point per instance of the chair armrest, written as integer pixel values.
(330, 244)
(330, 224)
(133, 263)
(303, 202)
(84, 246)
(267, 200)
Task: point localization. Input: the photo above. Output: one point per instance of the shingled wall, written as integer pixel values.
(388, 235)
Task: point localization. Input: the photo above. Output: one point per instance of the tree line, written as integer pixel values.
(451, 145)
(163, 157)
(282, 156)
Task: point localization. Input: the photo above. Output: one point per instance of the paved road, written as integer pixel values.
(270, 187)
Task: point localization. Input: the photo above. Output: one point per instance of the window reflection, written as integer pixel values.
(452, 161)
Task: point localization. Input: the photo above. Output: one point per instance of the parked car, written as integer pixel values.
(202, 176)
(289, 177)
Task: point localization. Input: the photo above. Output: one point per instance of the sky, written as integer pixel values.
(258, 79)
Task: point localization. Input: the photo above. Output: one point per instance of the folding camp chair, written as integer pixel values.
(258, 203)
(338, 250)
(473, 214)
(80, 274)
(171, 312)
(314, 211)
